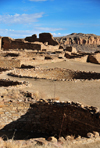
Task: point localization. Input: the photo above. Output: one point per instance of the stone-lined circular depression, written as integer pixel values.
(55, 74)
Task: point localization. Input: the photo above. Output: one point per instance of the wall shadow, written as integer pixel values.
(53, 119)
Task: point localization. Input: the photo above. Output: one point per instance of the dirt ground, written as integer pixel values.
(86, 92)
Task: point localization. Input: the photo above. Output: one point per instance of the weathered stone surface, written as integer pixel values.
(47, 37)
(6, 42)
(42, 117)
(9, 63)
(67, 55)
(82, 58)
(52, 139)
(61, 140)
(90, 135)
(79, 38)
(95, 58)
(1, 142)
(69, 138)
(71, 49)
(9, 43)
(96, 134)
(32, 38)
(41, 141)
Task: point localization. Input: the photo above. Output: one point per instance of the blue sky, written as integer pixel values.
(21, 18)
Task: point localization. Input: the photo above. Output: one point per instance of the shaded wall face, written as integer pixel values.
(0, 43)
(56, 118)
(47, 37)
(9, 43)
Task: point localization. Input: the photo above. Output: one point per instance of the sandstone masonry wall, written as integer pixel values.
(0, 43)
(50, 118)
(9, 43)
(46, 38)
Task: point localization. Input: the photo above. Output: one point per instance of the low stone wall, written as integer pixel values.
(56, 74)
(9, 63)
(51, 118)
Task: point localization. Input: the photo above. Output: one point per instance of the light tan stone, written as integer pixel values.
(82, 59)
(94, 58)
(52, 139)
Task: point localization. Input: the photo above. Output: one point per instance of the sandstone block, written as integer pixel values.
(69, 138)
(96, 134)
(61, 140)
(71, 49)
(41, 141)
(94, 58)
(52, 139)
(32, 38)
(82, 59)
(67, 55)
(90, 135)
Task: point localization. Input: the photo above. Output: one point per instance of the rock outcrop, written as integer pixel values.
(79, 39)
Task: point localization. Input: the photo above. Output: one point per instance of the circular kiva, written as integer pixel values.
(55, 74)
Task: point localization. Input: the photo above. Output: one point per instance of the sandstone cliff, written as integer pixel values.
(79, 38)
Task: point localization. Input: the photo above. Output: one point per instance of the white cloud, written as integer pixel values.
(23, 33)
(48, 29)
(59, 34)
(15, 33)
(37, 0)
(20, 18)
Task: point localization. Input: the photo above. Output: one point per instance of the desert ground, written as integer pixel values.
(84, 91)
(58, 70)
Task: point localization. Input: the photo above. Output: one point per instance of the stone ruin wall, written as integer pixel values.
(45, 42)
(0, 43)
(46, 38)
(9, 43)
(50, 118)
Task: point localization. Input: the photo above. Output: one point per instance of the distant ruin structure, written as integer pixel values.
(43, 37)
(44, 42)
